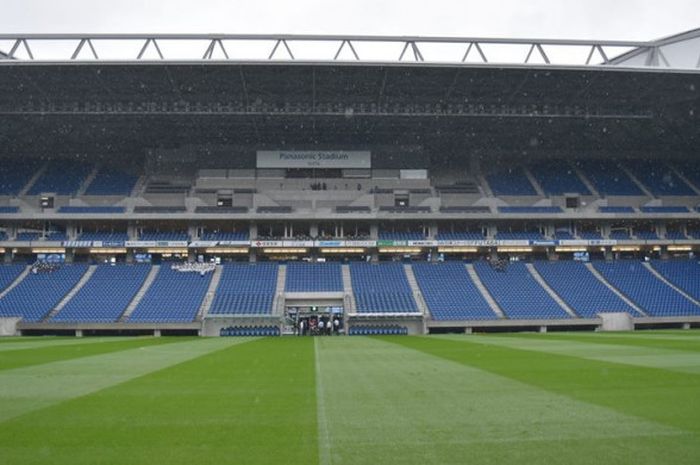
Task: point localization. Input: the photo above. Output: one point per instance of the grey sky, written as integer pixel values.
(571, 19)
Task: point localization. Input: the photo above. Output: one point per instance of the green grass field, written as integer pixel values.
(584, 398)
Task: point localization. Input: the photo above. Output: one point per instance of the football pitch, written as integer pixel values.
(566, 398)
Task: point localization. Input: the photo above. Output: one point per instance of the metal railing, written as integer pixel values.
(315, 48)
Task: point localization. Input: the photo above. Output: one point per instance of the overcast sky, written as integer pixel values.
(586, 19)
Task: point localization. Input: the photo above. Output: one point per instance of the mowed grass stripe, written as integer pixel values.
(389, 404)
(682, 342)
(253, 403)
(600, 350)
(38, 342)
(12, 359)
(659, 395)
(27, 389)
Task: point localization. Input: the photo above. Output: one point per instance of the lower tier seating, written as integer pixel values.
(381, 288)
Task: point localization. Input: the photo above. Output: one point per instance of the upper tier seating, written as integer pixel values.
(245, 289)
(111, 182)
(620, 235)
(530, 209)
(556, 177)
(449, 292)
(62, 177)
(616, 209)
(510, 182)
(563, 235)
(580, 289)
(3, 236)
(226, 236)
(27, 236)
(691, 171)
(39, 293)
(517, 293)
(104, 236)
(659, 178)
(314, 277)
(646, 235)
(401, 236)
(590, 235)
(164, 236)
(608, 178)
(645, 290)
(15, 174)
(519, 236)
(381, 288)
(91, 209)
(105, 296)
(684, 274)
(7, 209)
(173, 297)
(8, 274)
(460, 236)
(666, 209)
(675, 235)
(56, 236)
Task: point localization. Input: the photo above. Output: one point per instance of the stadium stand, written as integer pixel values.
(225, 236)
(27, 236)
(460, 236)
(112, 237)
(378, 330)
(556, 177)
(9, 209)
(105, 296)
(62, 177)
(645, 290)
(608, 178)
(245, 289)
(164, 236)
(250, 331)
(8, 274)
(616, 209)
(381, 288)
(684, 274)
(659, 178)
(111, 182)
(88, 210)
(668, 209)
(582, 291)
(38, 293)
(590, 235)
(56, 236)
(15, 174)
(519, 236)
(450, 293)
(563, 235)
(537, 210)
(174, 296)
(314, 277)
(517, 293)
(676, 235)
(620, 235)
(401, 236)
(510, 182)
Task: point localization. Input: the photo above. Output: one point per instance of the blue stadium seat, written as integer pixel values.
(608, 178)
(111, 182)
(556, 177)
(401, 236)
(460, 236)
(645, 290)
(684, 274)
(510, 182)
(580, 289)
(63, 177)
(164, 236)
(450, 293)
(381, 288)
(105, 296)
(659, 178)
(616, 209)
(173, 297)
(225, 236)
(245, 289)
(8, 274)
(37, 294)
(530, 209)
(314, 277)
(517, 293)
(16, 173)
(91, 209)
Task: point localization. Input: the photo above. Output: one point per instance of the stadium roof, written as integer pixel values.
(247, 48)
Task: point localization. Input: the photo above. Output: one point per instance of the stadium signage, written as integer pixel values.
(314, 159)
(590, 243)
(155, 243)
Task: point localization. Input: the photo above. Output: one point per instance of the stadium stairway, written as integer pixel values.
(17, 280)
(62, 303)
(481, 179)
(349, 299)
(88, 180)
(534, 182)
(279, 301)
(685, 179)
(637, 182)
(139, 295)
(211, 292)
(538, 277)
(484, 292)
(586, 182)
(663, 279)
(39, 173)
(622, 296)
(417, 295)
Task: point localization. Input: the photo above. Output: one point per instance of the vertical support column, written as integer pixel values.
(374, 231)
(78, 333)
(70, 253)
(543, 329)
(131, 231)
(156, 332)
(252, 255)
(253, 230)
(72, 231)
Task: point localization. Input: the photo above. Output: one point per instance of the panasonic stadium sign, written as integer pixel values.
(314, 159)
